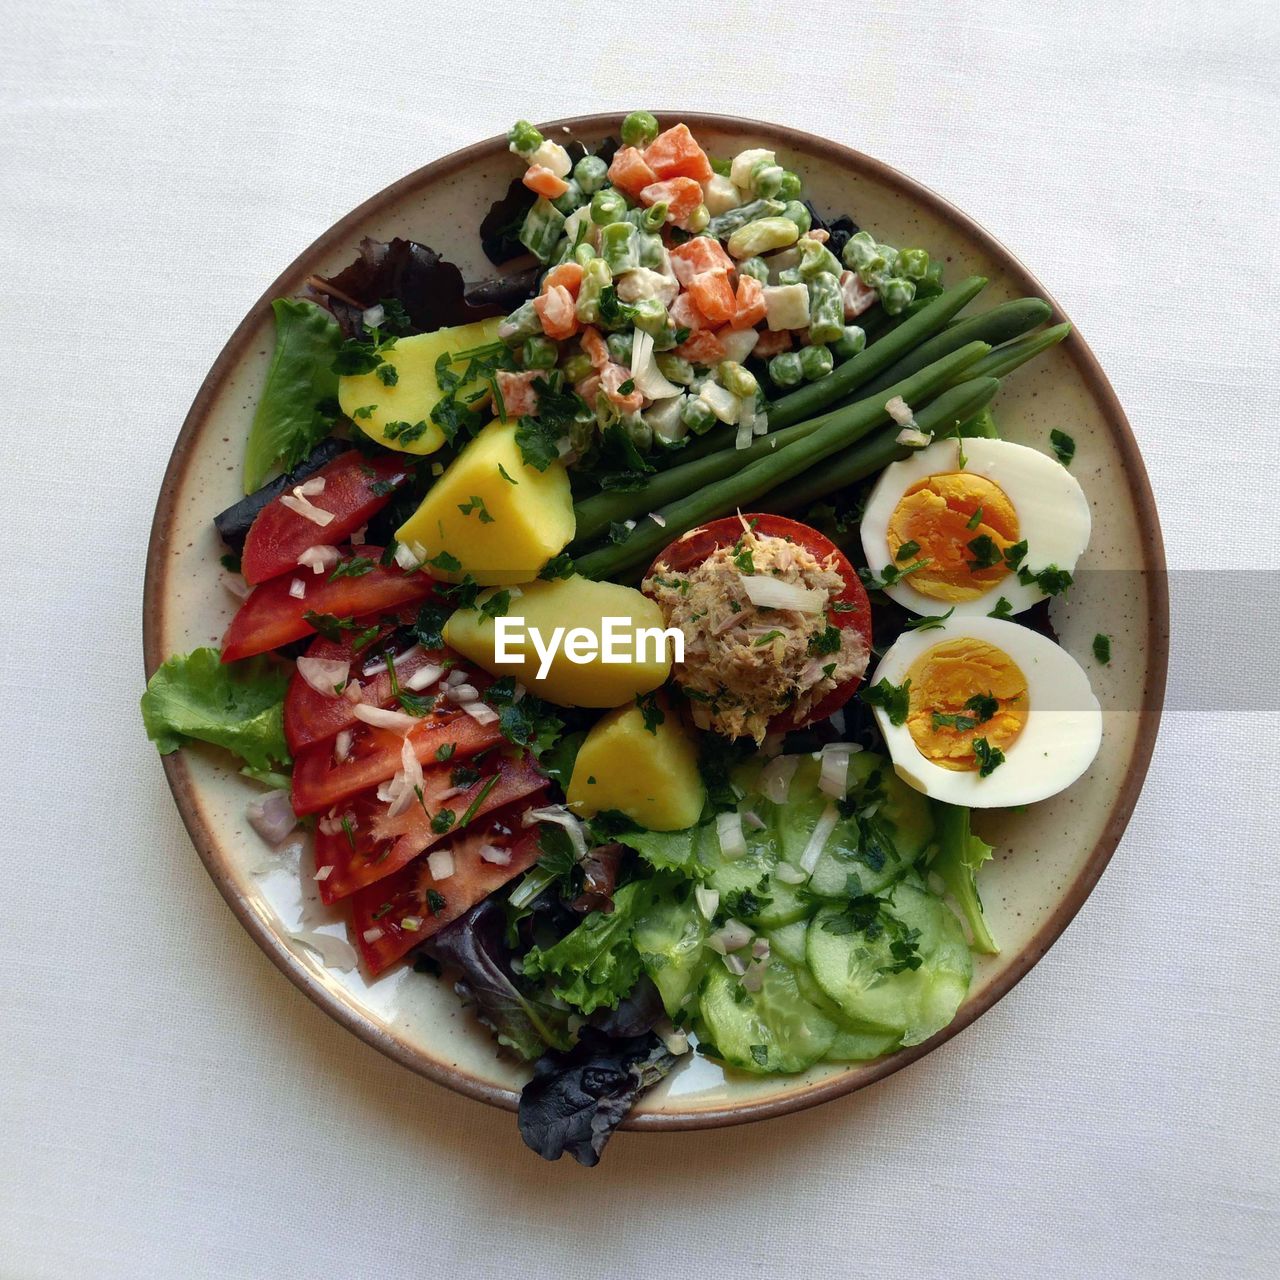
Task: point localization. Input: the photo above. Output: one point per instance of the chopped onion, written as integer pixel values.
(411, 924)
(235, 584)
(646, 375)
(660, 521)
(736, 965)
(753, 974)
(461, 693)
(760, 948)
(372, 935)
(496, 854)
(743, 436)
(310, 488)
(729, 832)
(373, 317)
(676, 1041)
(324, 675)
(357, 536)
(323, 873)
(788, 874)
(342, 745)
(561, 817)
(410, 555)
(334, 953)
(319, 558)
(298, 589)
(480, 712)
(776, 776)
(272, 816)
(837, 720)
(299, 501)
(455, 676)
(775, 593)
(818, 839)
(423, 677)
(440, 863)
(354, 692)
(732, 936)
(914, 438)
(753, 820)
(708, 901)
(900, 411)
(384, 718)
(833, 777)
(771, 745)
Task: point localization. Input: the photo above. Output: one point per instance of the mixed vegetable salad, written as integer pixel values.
(689, 407)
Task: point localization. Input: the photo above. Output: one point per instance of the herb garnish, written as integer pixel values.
(1102, 649)
(893, 699)
(989, 758)
(1064, 447)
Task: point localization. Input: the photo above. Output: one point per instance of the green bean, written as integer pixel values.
(619, 345)
(1007, 358)
(717, 484)
(618, 247)
(524, 322)
(539, 353)
(999, 324)
(542, 227)
(756, 268)
(570, 198)
(639, 129)
(596, 277)
(956, 405)
(590, 173)
(826, 309)
(816, 258)
(797, 212)
(804, 402)
(725, 224)
(674, 368)
(576, 367)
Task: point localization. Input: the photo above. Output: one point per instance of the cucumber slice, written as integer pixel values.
(787, 942)
(779, 903)
(914, 1003)
(773, 1030)
(861, 1046)
(669, 934)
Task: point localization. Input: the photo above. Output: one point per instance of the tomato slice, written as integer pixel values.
(320, 782)
(373, 846)
(271, 617)
(850, 608)
(356, 488)
(394, 915)
(311, 717)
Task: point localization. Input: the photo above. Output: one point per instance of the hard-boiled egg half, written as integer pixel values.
(937, 504)
(994, 715)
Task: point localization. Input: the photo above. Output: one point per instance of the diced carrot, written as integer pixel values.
(771, 342)
(681, 195)
(820, 234)
(538, 178)
(702, 347)
(702, 253)
(614, 377)
(857, 296)
(629, 172)
(555, 310)
(587, 388)
(749, 303)
(685, 315)
(568, 274)
(516, 390)
(713, 295)
(594, 346)
(675, 154)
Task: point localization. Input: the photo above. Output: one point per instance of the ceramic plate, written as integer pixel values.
(1048, 858)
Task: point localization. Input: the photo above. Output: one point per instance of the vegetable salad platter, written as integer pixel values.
(655, 622)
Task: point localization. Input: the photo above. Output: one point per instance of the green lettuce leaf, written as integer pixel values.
(239, 706)
(959, 857)
(291, 420)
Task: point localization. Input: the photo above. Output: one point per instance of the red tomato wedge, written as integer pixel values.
(391, 917)
(378, 846)
(855, 609)
(320, 782)
(271, 617)
(356, 488)
(311, 717)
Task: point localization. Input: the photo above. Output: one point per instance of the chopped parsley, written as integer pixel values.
(1014, 555)
(868, 915)
(445, 751)
(1064, 447)
(388, 374)
(1102, 649)
(1051, 580)
(560, 566)
(356, 567)
(404, 432)
(826, 641)
(445, 561)
(891, 573)
(435, 902)
(496, 605)
(502, 471)
(982, 705)
(327, 625)
(476, 503)
(989, 758)
(985, 553)
(365, 411)
(929, 621)
(974, 520)
(428, 627)
(907, 550)
(893, 699)
(650, 711)
(443, 821)
(474, 807)
(1003, 609)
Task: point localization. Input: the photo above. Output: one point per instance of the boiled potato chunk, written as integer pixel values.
(416, 391)
(490, 515)
(651, 775)
(569, 604)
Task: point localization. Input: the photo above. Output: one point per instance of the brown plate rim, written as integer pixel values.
(218, 864)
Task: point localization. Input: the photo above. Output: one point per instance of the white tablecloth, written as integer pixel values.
(169, 1105)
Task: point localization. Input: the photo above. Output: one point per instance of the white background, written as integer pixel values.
(169, 1105)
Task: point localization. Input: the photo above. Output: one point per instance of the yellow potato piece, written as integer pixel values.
(570, 603)
(491, 516)
(651, 776)
(416, 391)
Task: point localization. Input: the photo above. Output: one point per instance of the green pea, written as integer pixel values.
(761, 236)
(790, 275)
(523, 138)
(583, 254)
(815, 258)
(767, 177)
(737, 379)
(698, 220)
(697, 416)
(607, 206)
(852, 340)
(896, 294)
(826, 308)
(785, 369)
(815, 362)
(859, 249)
(756, 268)
(666, 337)
(790, 187)
(675, 369)
(542, 227)
(639, 129)
(570, 198)
(619, 345)
(577, 366)
(799, 215)
(539, 353)
(913, 263)
(618, 247)
(650, 315)
(590, 173)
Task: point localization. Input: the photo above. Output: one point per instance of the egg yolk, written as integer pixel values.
(943, 514)
(944, 680)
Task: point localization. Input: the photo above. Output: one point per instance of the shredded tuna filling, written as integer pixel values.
(743, 664)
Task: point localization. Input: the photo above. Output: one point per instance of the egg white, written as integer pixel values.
(1053, 516)
(1058, 742)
